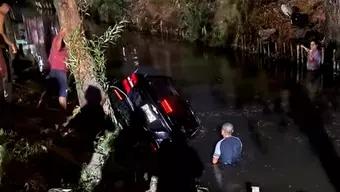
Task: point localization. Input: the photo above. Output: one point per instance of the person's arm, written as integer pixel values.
(217, 153)
(215, 159)
(59, 39)
(6, 39)
(57, 42)
(305, 48)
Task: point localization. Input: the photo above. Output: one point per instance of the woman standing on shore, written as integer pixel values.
(314, 56)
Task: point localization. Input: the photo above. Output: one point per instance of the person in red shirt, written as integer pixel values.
(58, 68)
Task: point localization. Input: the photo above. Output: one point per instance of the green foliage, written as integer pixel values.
(4, 156)
(21, 150)
(214, 22)
(97, 46)
(109, 11)
(75, 43)
(91, 173)
(83, 6)
(5, 137)
(105, 142)
(79, 45)
(194, 19)
(226, 20)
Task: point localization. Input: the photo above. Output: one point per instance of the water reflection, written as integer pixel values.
(218, 176)
(312, 83)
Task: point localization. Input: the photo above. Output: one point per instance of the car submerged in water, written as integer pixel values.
(158, 105)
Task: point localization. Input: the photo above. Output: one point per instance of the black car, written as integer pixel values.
(156, 100)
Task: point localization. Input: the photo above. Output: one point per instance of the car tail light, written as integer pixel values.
(134, 78)
(126, 86)
(166, 106)
(130, 82)
(118, 95)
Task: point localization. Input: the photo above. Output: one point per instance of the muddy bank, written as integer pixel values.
(220, 22)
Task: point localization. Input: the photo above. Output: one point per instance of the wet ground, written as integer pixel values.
(286, 119)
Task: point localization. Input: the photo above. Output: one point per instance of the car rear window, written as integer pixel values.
(162, 87)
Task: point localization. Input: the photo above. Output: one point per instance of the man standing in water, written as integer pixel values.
(228, 150)
(58, 69)
(314, 56)
(4, 9)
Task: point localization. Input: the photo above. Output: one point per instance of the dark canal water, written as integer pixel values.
(287, 120)
(286, 117)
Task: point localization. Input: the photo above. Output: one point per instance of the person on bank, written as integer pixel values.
(4, 40)
(58, 68)
(228, 150)
(314, 56)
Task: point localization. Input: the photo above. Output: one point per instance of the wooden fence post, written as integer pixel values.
(291, 50)
(284, 48)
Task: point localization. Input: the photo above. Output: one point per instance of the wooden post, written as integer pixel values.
(297, 64)
(297, 54)
(334, 62)
(302, 64)
(291, 50)
(302, 55)
(322, 55)
(284, 48)
(245, 42)
(264, 50)
(268, 49)
(275, 47)
(161, 26)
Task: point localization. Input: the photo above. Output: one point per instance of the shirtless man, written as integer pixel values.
(4, 9)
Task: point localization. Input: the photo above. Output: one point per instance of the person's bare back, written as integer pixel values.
(4, 9)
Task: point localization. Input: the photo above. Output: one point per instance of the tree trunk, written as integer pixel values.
(84, 75)
(70, 19)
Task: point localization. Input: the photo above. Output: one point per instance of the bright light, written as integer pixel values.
(255, 189)
(166, 106)
(134, 78)
(126, 86)
(118, 95)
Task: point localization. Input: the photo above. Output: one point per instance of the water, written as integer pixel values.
(285, 116)
(260, 98)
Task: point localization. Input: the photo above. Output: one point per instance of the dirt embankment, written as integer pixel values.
(222, 22)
